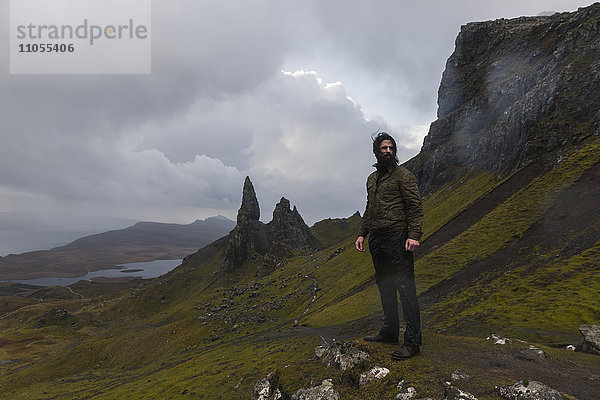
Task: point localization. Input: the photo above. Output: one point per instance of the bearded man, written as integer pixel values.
(393, 219)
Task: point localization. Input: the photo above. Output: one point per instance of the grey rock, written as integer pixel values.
(533, 354)
(324, 391)
(451, 392)
(375, 373)
(458, 375)
(591, 338)
(406, 393)
(321, 350)
(342, 355)
(529, 390)
(497, 339)
(267, 388)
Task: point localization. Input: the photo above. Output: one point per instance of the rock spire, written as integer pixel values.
(273, 241)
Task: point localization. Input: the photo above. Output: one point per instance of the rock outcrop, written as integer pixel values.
(249, 233)
(591, 338)
(514, 92)
(288, 228)
(286, 232)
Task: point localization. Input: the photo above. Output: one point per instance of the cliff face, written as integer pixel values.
(514, 92)
(286, 232)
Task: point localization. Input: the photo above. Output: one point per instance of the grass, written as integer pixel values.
(450, 200)
(507, 222)
(544, 303)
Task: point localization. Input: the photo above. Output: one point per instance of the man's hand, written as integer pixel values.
(359, 243)
(411, 244)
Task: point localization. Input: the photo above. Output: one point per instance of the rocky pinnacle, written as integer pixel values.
(249, 210)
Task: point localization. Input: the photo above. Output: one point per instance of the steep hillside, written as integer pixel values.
(144, 241)
(509, 247)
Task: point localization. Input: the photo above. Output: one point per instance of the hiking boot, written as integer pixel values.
(381, 339)
(405, 352)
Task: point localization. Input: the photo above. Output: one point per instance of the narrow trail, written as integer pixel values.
(75, 293)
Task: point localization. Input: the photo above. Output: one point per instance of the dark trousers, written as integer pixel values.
(395, 272)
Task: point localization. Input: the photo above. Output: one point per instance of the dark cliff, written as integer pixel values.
(514, 92)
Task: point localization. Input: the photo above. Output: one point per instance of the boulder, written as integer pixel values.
(591, 338)
(267, 388)
(406, 393)
(497, 339)
(533, 354)
(324, 391)
(451, 392)
(529, 390)
(342, 355)
(458, 375)
(375, 373)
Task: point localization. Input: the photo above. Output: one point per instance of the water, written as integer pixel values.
(145, 270)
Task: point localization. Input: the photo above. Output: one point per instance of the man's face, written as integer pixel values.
(386, 148)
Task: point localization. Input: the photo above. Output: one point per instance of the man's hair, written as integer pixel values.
(380, 137)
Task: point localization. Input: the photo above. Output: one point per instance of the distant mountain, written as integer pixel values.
(144, 241)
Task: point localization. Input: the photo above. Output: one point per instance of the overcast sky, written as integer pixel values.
(287, 92)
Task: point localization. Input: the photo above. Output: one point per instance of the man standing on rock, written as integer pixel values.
(393, 219)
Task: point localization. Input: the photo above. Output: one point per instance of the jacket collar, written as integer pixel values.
(387, 174)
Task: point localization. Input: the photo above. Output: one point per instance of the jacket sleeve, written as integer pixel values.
(413, 206)
(364, 227)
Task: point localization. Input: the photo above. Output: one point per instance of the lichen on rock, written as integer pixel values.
(324, 391)
(529, 390)
(342, 355)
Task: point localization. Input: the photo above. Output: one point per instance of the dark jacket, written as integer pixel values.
(393, 204)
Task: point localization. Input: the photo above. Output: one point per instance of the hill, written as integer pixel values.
(509, 248)
(144, 241)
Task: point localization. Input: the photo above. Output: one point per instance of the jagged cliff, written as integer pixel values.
(514, 92)
(286, 232)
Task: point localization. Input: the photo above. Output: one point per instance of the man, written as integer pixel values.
(393, 219)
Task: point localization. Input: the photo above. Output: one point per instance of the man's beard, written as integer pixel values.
(385, 161)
